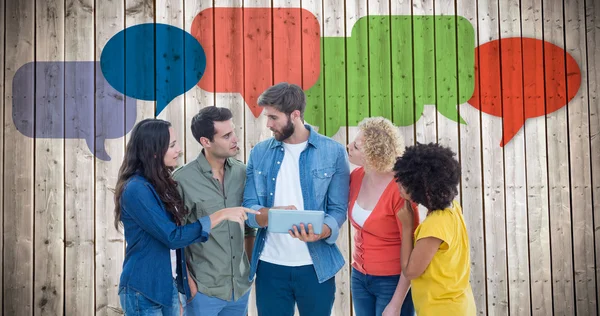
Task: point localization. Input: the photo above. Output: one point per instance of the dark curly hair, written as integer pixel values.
(430, 174)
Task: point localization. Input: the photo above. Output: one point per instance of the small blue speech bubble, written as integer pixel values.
(160, 61)
(58, 100)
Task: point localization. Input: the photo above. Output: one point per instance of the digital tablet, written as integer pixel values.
(281, 221)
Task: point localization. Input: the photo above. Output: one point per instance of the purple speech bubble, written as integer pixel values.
(60, 96)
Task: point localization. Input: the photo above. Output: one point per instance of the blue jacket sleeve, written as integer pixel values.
(141, 204)
(337, 196)
(250, 195)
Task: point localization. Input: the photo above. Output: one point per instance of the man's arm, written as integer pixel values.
(337, 196)
(249, 236)
(251, 198)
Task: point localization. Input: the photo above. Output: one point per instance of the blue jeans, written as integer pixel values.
(371, 294)
(134, 303)
(279, 288)
(204, 305)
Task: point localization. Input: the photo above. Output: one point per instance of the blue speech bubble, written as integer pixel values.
(160, 61)
(58, 100)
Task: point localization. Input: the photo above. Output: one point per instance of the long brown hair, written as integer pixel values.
(144, 155)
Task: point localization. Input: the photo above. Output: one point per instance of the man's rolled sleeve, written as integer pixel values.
(335, 229)
(206, 225)
(337, 196)
(250, 196)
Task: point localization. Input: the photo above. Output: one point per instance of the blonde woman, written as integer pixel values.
(378, 286)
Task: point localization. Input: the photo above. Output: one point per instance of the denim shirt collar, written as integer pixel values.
(313, 138)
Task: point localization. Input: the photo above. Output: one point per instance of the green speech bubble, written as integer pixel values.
(392, 66)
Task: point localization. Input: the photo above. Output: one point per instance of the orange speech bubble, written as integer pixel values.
(250, 49)
(544, 81)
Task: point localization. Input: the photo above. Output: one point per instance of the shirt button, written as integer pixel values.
(233, 257)
(231, 237)
(281, 149)
(259, 172)
(325, 174)
(278, 162)
(273, 179)
(271, 193)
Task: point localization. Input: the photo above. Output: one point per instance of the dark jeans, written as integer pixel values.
(371, 294)
(279, 288)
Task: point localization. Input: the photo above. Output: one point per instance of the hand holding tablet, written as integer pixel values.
(282, 221)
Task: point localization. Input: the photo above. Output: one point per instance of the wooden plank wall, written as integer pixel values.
(532, 206)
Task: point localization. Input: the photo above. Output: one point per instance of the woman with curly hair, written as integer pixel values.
(439, 264)
(151, 210)
(378, 287)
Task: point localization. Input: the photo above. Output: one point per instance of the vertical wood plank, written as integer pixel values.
(140, 12)
(380, 101)
(334, 75)
(18, 160)
(315, 95)
(592, 16)
(424, 73)
(229, 64)
(2, 105)
(170, 12)
(493, 166)
(401, 45)
(79, 161)
(579, 154)
(446, 73)
(334, 70)
(49, 190)
(446, 76)
(198, 16)
(110, 243)
(513, 110)
(537, 169)
(558, 162)
(357, 64)
(258, 68)
(471, 176)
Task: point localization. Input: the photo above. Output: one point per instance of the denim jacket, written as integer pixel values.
(324, 179)
(150, 234)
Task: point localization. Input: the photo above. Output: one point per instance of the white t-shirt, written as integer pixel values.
(174, 263)
(283, 249)
(360, 215)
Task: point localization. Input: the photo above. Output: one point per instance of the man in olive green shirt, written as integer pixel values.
(215, 180)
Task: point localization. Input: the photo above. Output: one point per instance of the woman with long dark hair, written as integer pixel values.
(151, 210)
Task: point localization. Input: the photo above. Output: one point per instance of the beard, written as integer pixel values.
(286, 131)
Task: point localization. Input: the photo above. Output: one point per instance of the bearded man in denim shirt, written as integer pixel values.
(296, 169)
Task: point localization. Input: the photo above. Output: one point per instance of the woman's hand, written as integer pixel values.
(406, 214)
(391, 310)
(234, 214)
(193, 287)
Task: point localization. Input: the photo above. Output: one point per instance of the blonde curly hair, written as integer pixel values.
(382, 143)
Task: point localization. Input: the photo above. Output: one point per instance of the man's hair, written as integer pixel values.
(203, 123)
(430, 174)
(284, 97)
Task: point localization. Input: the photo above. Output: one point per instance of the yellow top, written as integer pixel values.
(444, 288)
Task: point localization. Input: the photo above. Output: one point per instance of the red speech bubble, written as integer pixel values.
(240, 54)
(513, 89)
